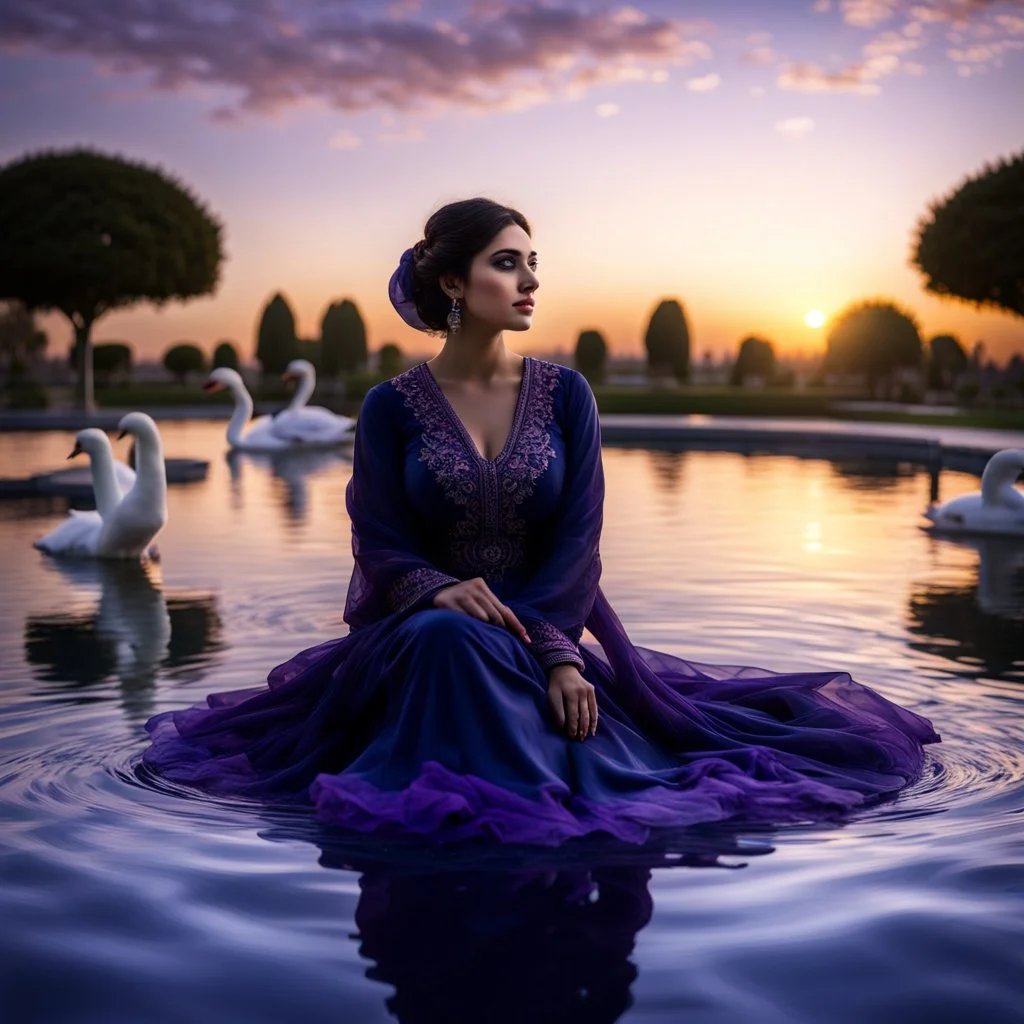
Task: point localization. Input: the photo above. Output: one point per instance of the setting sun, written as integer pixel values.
(814, 318)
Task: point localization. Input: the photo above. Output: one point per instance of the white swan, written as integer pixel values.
(309, 424)
(121, 527)
(102, 454)
(260, 437)
(998, 508)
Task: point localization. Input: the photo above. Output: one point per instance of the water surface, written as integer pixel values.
(122, 902)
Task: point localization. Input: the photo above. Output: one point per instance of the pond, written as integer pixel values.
(122, 902)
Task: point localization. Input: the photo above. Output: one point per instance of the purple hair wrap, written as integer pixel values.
(400, 291)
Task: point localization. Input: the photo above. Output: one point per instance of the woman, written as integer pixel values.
(461, 703)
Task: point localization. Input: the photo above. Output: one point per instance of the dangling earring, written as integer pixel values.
(455, 317)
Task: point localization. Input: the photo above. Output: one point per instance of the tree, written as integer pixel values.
(971, 243)
(591, 355)
(183, 359)
(390, 360)
(84, 233)
(226, 355)
(344, 339)
(20, 339)
(875, 339)
(668, 341)
(311, 350)
(756, 358)
(113, 357)
(276, 343)
(947, 360)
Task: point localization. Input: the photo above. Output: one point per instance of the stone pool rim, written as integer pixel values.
(943, 446)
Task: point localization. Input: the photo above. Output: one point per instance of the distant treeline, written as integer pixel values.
(131, 233)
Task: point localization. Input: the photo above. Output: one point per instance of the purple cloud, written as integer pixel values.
(977, 34)
(493, 56)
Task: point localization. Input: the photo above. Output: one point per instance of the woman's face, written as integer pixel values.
(502, 282)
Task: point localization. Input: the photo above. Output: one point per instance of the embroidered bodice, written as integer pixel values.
(465, 515)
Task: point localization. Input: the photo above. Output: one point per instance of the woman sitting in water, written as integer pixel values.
(462, 703)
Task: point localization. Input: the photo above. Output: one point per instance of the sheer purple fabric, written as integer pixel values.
(400, 291)
(428, 723)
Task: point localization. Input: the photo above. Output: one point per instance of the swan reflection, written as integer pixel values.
(133, 631)
(980, 624)
(294, 468)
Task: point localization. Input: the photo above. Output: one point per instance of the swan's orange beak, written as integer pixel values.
(77, 450)
(211, 387)
(289, 377)
(122, 435)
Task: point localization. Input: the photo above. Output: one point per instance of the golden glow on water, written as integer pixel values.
(771, 560)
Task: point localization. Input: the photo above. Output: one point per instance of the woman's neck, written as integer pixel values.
(479, 359)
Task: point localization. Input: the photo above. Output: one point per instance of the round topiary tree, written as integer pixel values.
(84, 233)
(183, 359)
(390, 360)
(114, 357)
(276, 343)
(591, 355)
(344, 339)
(873, 339)
(226, 355)
(667, 341)
(20, 339)
(756, 358)
(971, 243)
(947, 360)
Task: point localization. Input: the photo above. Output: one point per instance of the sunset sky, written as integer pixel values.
(754, 159)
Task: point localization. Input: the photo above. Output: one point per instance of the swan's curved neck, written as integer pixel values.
(151, 478)
(997, 482)
(303, 391)
(241, 415)
(104, 481)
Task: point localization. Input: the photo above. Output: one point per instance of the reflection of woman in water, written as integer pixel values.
(527, 946)
(462, 703)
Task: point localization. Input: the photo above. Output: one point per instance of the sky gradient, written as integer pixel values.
(754, 160)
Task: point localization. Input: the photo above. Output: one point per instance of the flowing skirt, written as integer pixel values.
(436, 725)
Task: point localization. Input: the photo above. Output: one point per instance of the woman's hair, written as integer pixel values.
(451, 238)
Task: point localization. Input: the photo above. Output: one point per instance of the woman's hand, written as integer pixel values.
(573, 702)
(474, 597)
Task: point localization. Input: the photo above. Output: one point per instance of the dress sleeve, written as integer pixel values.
(390, 573)
(555, 603)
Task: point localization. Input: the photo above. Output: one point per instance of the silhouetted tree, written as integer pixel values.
(591, 355)
(310, 349)
(947, 360)
(668, 341)
(84, 233)
(276, 343)
(226, 355)
(181, 360)
(390, 360)
(971, 243)
(756, 358)
(20, 339)
(874, 339)
(113, 357)
(344, 339)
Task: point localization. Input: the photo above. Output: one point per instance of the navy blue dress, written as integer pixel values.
(423, 722)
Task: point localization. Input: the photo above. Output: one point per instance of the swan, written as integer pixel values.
(260, 437)
(309, 424)
(121, 527)
(998, 508)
